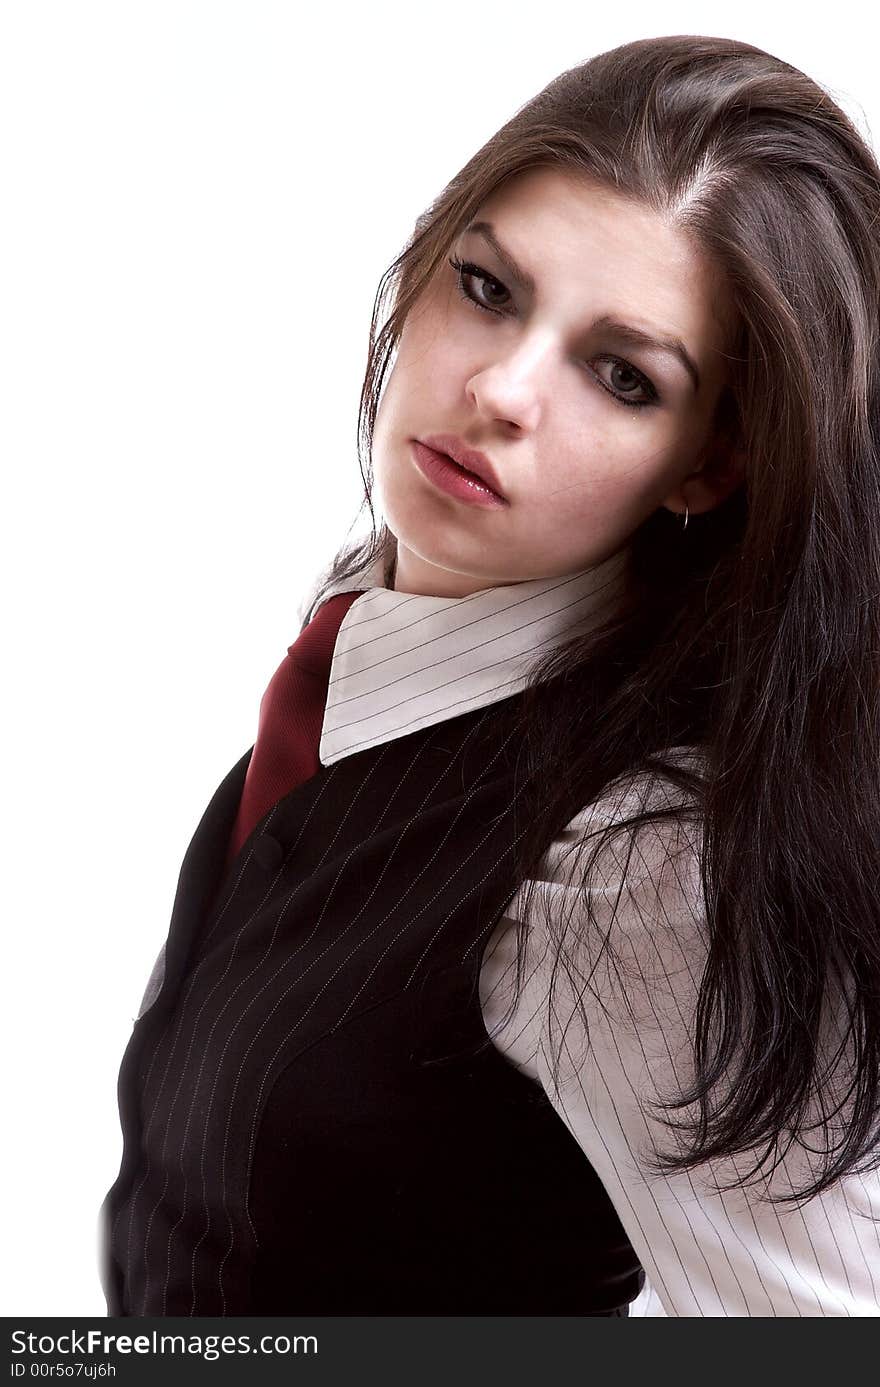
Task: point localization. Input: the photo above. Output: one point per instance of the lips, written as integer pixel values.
(445, 474)
(466, 457)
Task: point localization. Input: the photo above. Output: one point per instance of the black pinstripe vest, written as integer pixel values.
(314, 1118)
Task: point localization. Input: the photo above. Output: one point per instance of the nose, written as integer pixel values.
(510, 386)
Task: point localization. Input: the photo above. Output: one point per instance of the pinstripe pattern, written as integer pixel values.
(203, 1086)
(311, 1074)
(405, 661)
(706, 1253)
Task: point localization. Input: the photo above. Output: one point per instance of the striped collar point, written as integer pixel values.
(403, 661)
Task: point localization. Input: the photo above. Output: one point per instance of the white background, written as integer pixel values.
(198, 201)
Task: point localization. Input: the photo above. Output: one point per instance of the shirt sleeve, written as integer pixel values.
(706, 1251)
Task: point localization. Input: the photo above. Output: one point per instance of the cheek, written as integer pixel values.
(419, 364)
(426, 333)
(403, 389)
(622, 480)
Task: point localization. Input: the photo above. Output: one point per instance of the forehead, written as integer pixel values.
(587, 245)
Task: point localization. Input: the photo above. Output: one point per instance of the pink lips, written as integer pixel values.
(448, 476)
(467, 457)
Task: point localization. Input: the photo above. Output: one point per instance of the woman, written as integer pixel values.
(556, 966)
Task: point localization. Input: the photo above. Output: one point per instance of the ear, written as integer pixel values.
(720, 472)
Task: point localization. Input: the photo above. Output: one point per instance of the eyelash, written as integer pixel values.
(466, 269)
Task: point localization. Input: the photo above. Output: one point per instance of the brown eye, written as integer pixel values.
(490, 290)
(624, 378)
(625, 381)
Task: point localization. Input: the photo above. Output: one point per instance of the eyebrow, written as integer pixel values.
(624, 332)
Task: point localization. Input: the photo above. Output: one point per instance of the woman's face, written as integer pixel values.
(541, 388)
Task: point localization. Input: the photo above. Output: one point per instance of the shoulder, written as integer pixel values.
(654, 786)
(624, 881)
(640, 820)
(617, 901)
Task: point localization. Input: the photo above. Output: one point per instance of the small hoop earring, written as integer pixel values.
(686, 513)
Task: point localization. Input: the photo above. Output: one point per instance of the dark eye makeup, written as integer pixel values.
(467, 271)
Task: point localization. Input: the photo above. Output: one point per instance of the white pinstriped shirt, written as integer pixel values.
(404, 661)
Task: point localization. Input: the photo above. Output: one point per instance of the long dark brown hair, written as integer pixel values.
(754, 634)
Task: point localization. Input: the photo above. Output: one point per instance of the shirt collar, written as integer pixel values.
(403, 661)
